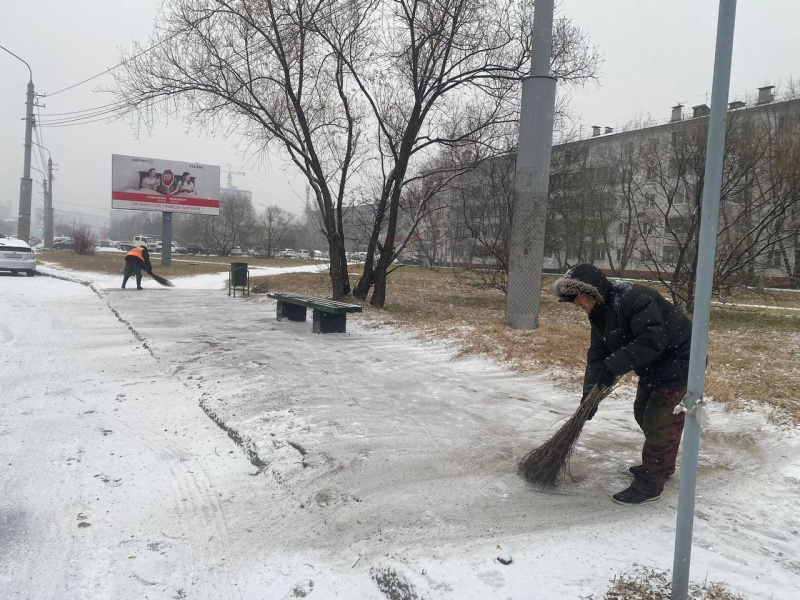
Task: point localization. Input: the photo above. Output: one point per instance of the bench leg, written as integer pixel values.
(325, 322)
(278, 310)
(293, 312)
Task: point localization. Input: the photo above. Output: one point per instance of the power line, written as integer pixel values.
(81, 205)
(85, 110)
(119, 64)
(79, 122)
(88, 116)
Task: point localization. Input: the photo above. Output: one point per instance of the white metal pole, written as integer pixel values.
(702, 299)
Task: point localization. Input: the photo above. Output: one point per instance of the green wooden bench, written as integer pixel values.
(330, 316)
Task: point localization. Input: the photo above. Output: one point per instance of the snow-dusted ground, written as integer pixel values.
(358, 457)
(205, 281)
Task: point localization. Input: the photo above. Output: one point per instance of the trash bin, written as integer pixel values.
(239, 277)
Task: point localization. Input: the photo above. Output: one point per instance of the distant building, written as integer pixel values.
(629, 201)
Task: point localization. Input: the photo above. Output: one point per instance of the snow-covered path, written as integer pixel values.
(115, 484)
(371, 457)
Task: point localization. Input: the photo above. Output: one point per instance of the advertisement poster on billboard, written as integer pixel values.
(139, 183)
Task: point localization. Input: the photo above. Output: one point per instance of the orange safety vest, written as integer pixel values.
(137, 252)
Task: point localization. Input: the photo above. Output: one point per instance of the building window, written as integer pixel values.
(602, 175)
(599, 253)
(649, 200)
(677, 225)
(647, 229)
(623, 229)
(670, 254)
(774, 259)
(674, 168)
(619, 254)
(679, 197)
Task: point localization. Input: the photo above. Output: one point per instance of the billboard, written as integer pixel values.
(139, 183)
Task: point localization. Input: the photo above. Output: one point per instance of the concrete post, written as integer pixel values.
(526, 251)
(25, 184)
(48, 207)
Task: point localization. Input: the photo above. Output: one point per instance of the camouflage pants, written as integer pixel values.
(662, 431)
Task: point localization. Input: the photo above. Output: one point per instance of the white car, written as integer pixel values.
(17, 256)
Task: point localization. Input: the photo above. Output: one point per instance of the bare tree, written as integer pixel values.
(457, 65)
(351, 92)
(271, 228)
(231, 228)
(756, 200)
(259, 69)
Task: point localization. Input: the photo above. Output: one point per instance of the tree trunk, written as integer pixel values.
(340, 283)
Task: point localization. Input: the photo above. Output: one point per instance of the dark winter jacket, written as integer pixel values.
(634, 328)
(139, 256)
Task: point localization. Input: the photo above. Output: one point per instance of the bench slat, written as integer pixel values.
(323, 304)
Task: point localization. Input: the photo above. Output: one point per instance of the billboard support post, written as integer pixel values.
(166, 238)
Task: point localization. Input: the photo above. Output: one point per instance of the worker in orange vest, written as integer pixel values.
(136, 260)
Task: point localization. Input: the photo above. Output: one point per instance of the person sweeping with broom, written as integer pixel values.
(136, 260)
(634, 328)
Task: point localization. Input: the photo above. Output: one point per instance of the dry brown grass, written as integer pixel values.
(182, 265)
(644, 583)
(753, 354)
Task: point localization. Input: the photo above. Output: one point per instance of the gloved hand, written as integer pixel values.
(606, 378)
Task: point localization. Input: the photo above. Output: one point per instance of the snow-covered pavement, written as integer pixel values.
(359, 459)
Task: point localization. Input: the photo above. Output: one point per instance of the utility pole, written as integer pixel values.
(48, 206)
(534, 149)
(48, 199)
(702, 297)
(25, 184)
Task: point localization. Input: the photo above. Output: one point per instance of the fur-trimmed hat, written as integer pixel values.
(582, 279)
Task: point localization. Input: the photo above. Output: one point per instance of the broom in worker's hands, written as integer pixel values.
(162, 280)
(549, 463)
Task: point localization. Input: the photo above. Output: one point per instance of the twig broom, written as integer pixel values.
(549, 463)
(162, 280)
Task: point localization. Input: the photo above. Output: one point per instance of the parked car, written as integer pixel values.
(236, 251)
(195, 249)
(17, 256)
(63, 243)
(160, 246)
(288, 253)
(257, 252)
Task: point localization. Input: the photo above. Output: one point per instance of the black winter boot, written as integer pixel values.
(633, 496)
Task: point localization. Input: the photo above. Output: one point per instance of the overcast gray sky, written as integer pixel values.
(656, 53)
